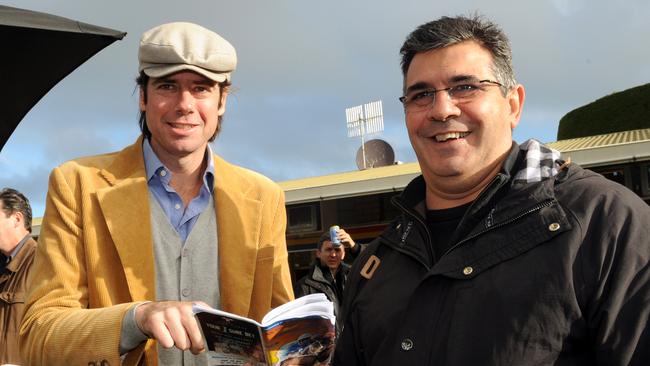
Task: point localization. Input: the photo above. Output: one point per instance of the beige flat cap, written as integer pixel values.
(178, 46)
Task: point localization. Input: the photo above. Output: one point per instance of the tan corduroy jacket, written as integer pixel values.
(95, 257)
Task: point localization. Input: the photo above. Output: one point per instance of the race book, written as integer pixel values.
(300, 332)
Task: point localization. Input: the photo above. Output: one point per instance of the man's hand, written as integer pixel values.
(345, 238)
(171, 323)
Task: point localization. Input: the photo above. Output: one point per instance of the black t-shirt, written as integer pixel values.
(441, 225)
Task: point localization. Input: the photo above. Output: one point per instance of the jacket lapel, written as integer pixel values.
(125, 206)
(238, 225)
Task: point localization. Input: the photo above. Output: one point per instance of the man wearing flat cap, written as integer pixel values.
(130, 240)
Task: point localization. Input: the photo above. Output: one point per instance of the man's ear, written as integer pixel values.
(223, 98)
(516, 98)
(19, 219)
(141, 102)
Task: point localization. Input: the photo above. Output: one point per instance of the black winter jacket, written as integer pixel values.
(554, 272)
(316, 282)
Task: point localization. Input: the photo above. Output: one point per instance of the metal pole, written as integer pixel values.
(363, 143)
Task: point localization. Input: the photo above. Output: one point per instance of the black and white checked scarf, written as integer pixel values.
(541, 163)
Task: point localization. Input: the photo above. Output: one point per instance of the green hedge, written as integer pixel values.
(622, 111)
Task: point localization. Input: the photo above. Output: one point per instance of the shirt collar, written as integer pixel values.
(153, 165)
(18, 247)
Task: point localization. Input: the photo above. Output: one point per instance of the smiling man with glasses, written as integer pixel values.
(503, 254)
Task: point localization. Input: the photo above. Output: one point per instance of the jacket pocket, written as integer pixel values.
(262, 283)
(500, 245)
(265, 254)
(517, 313)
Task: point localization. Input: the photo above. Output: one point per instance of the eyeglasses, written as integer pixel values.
(424, 99)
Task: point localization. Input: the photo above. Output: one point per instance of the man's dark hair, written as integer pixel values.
(14, 201)
(448, 31)
(143, 79)
(324, 237)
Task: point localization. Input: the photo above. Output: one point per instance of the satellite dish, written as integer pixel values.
(378, 153)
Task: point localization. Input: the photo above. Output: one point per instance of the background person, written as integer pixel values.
(329, 272)
(17, 250)
(503, 254)
(164, 220)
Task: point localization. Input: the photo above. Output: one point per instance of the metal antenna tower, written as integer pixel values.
(364, 120)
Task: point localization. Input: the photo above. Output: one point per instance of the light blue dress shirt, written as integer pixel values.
(158, 178)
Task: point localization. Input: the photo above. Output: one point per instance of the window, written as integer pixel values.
(302, 218)
(645, 181)
(371, 209)
(617, 176)
(613, 173)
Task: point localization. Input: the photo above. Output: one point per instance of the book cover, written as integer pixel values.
(300, 332)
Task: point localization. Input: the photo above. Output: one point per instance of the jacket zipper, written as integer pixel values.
(415, 217)
(535, 208)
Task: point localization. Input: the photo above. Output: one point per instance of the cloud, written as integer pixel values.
(32, 183)
(568, 7)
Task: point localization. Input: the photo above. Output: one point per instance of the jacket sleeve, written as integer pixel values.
(300, 289)
(58, 328)
(282, 288)
(357, 250)
(615, 262)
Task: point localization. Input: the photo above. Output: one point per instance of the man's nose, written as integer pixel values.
(186, 102)
(443, 108)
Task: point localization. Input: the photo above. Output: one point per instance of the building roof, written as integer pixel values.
(347, 184)
(609, 139)
(606, 149)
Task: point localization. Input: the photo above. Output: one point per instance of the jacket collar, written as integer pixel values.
(22, 258)
(521, 159)
(16, 262)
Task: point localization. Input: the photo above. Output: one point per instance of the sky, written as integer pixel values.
(301, 63)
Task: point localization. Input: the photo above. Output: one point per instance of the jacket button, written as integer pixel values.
(554, 226)
(468, 270)
(407, 344)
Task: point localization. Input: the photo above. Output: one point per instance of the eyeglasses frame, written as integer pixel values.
(403, 100)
